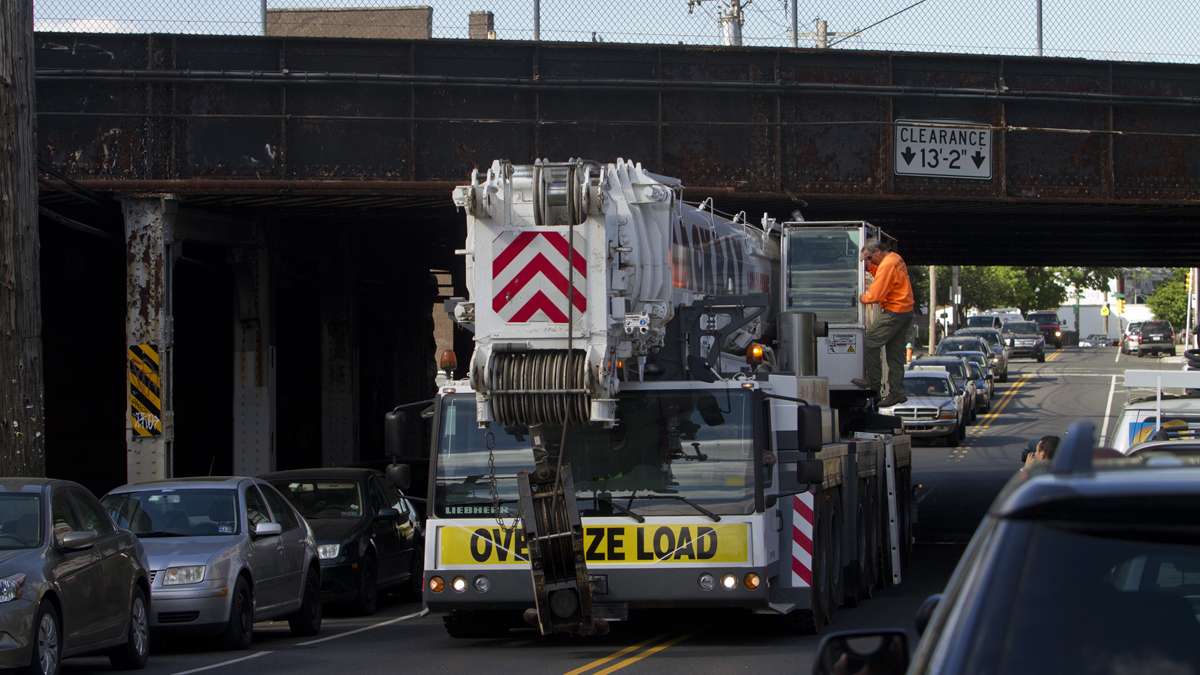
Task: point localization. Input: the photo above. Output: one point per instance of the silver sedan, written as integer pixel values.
(223, 553)
(70, 582)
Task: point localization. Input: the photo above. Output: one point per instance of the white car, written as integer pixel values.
(1093, 341)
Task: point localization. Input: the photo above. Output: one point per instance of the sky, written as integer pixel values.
(1163, 30)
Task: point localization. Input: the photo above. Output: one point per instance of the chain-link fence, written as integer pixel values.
(1163, 30)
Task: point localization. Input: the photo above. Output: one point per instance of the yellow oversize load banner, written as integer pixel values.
(603, 544)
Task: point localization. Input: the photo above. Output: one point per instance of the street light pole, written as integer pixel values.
(537, 20)
(795, 27)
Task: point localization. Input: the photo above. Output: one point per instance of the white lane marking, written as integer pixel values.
(1112, 387)
(222, 664)
(1118, 359)
(364, 629)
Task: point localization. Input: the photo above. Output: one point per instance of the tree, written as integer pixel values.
(1169, 300)
(1031, 288)
(22, 437)
(1088, 278)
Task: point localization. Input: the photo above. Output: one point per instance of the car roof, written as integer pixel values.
(940, 358)
(193, 483)
(940, 374)
(1169, 403)
(343, 473)
(974, 330)
(1150, 475)
(29, 485)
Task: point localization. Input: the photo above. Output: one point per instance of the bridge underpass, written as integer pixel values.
(282, 202)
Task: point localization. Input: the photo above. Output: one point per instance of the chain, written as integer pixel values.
(489, 441)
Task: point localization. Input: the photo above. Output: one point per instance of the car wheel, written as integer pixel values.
(1041, 358)
(47, 641)
(239, 629)
(367, 600)
(951, 439)
(133, 654)
(307, 620)
(1173, 352)
(961, 433)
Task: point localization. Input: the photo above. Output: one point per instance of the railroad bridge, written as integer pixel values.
(270, 217)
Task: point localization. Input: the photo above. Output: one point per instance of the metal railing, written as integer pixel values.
(1163, 30)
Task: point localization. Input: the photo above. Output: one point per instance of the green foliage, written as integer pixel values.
(1028, 288)
(1169, 300)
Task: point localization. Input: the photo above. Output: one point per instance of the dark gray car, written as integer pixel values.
(70, 581)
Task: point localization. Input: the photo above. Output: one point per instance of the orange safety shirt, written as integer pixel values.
(891, 288)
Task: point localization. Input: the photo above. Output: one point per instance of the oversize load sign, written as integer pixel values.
(943, 149)
(603, 544)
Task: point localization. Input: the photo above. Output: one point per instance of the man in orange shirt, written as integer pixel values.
(893, 292)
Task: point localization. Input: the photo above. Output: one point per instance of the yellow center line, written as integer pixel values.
(644, 655)
(987, 418)
(615, 655)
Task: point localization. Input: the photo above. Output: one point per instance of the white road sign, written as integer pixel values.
(943, 149)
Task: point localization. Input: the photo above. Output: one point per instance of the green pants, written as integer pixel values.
(889, 332)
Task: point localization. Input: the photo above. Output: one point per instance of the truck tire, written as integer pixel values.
(1042, 357)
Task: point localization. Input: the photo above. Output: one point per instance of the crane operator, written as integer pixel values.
(892, 291)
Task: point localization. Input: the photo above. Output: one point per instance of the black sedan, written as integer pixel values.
(369, 535)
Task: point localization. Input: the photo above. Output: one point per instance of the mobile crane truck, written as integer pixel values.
(656, 414)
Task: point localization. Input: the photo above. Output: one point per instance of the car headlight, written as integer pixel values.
(1058, 333)
(10, 587)
(181, 576)
(328, 551)
(947, 414)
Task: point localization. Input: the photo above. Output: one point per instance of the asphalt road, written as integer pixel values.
(1039, 399)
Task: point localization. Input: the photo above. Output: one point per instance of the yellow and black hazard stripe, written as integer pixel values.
(145, 390)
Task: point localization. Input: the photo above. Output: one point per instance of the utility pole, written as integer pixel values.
(537, 20)
(955, 295)
(731, 18)
(795, 27)
(264, 16)
(1039, 27)
(22, 428)
(820, 34)
(932, 308)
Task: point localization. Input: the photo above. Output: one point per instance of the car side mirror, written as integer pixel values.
(78, 540)
(268, 530)
(925, 612)
(879, 652)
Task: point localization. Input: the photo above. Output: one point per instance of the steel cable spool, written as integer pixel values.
(547, 387)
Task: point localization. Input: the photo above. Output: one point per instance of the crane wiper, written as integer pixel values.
(611, 503)
(715, 518)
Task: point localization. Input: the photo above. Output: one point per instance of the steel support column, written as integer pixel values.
(253, 362)
(339, 353)
(149, 271)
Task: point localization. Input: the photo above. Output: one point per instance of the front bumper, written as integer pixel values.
(189, 607)
(628, 588)
(1025, 351)
(16, 633)
(339, 580)
(930, 428)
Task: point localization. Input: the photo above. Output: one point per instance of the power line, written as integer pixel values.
(886, 18)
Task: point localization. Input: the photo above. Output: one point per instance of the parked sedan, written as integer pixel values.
(368, 534)
(70, 582)
(1094, 341)
(223, 553)
(983, 386)
(996, 344)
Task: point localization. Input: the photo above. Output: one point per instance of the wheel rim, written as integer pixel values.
(313, 599)
(47, 643)
(139, 631)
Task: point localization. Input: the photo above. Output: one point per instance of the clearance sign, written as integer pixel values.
(603, 544)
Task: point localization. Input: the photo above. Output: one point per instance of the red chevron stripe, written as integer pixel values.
(805, 542)
(803, 509)
(560, 242)
(803, 572)
(511, 251)
(539, 301)
(539, 265)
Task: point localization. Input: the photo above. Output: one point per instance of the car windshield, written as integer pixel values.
(20, 520)
(668, 447)
(981, 321)
(926, 386)
(1116, 590)
(1022, 327)
(989, 337)
(1043, 318)
(953, 345)
(323, 499)
(1155, 327)
(175, 512)
(955, 367)
(975, 370)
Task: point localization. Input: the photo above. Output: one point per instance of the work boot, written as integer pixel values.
(892, 399)
(860, 383)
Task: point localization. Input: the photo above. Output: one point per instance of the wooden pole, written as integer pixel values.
(22, 428)
(932, 308)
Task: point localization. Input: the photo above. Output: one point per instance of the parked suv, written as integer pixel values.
(1049, 325)
(996, 343)
(1156, 337)
(1079, 566)
(984, 321)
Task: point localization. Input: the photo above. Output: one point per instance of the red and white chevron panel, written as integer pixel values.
(530, 276)
(802, 540)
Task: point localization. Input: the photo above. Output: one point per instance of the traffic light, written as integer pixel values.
(1121, 306)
